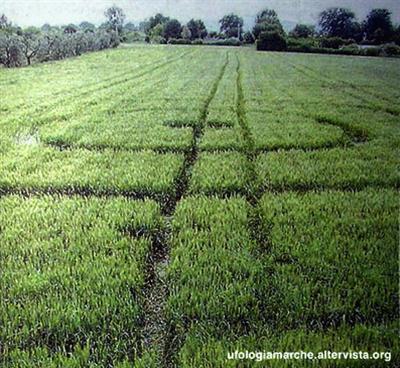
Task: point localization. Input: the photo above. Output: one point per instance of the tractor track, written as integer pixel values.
(158, 334)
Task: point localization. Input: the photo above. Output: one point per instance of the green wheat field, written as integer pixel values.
(162, 206)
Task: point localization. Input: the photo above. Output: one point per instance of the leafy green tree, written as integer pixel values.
(396, 35)
(31, 41)
(197, 28)
(143, 26)
(248, 37)
(378, 26)
(46, 27)
(271, 41)
(231, 25)
(186, 34)
(70, 28)
(172, 29)
(267, 20)
(4, 23)
(303, 31)
(156, 33)
(154, 21)
(115, 17)
(337, 22)
(10, 50)
(130, 27)
(87, 26)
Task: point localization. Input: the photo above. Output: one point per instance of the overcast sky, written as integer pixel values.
(58, 12)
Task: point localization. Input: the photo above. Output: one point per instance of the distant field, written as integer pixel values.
(164, 206)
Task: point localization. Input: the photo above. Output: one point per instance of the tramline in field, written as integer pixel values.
(165, 205)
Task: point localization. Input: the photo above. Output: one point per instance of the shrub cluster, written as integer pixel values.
(334, 42)
(271, 41)
(232, 41)
(339, 46)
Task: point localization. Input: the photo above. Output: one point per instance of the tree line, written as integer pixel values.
(336, 27)
(377, 28)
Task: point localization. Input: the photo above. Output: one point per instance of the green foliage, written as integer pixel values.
(130, 27)
(267, 21)
(302, 31)
(4, 23)
(231, 25)
(154, 21)
(378, 26)
(337, 22)
(302, 44)
(172, 29)
(198, 41)
(271, 41)
(390, 50)
(333, 42)
(231, 41)
(186, 34)
(248, 37)
(197, 29)
(179, 41)
(87, 26)
(115, 18)
(23, 47)
(131, 37)
(372, 51)
(155, 33)
(70, 28)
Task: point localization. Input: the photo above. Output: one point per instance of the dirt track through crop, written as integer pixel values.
(158, 335)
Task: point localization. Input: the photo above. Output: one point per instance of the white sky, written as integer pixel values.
(57, 12)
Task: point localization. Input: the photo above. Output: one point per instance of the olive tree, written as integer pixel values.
(31, 40)
(115, 17)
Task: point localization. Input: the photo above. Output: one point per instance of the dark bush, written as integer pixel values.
(351, 49)
(198, 41)
(232, 41)
(11, 50)
(248, 38)
(303, 31)
(332, 42)
(217, 42)
(131, 37)
(301, 44)
(271, 41)
(179, 41)
(390, 50)
(371, 51)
